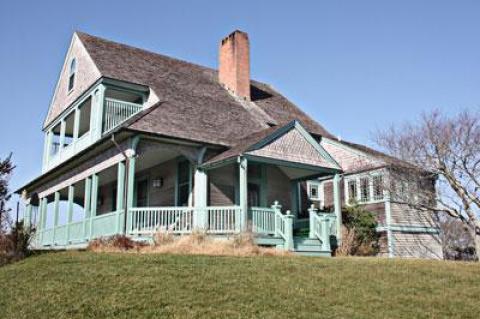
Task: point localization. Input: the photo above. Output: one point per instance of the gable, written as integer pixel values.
(86, 75)
(350, 159)
(294, 146)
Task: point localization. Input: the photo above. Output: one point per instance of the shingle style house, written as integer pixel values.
(137, 142)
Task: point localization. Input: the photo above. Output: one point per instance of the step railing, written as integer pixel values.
(222, 219)
(322, 226)
(148, 220)
(263, 220)
(116, 112)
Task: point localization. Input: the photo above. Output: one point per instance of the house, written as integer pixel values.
(137, 142)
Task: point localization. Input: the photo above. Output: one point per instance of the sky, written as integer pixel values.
(354, 66)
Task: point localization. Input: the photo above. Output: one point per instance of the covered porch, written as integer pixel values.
(159, 186)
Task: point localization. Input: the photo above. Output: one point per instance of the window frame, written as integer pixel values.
(357, 180)
(72, 72)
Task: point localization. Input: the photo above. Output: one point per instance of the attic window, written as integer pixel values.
(71, 74)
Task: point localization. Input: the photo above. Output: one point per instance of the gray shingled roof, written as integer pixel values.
(196, 105)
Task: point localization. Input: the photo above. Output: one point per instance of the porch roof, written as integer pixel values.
(289, 145)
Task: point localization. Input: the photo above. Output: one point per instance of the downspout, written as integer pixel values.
(125, 184)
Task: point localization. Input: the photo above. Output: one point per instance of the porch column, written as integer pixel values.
(27, 217)
(337, 204)
(47, 147)
(56, 206)
(130, 188)
(62, 135)
(120, 196)
(41, 217)
(200, 218)
(97, 112)
(86, 207)
(71, 194)
(243, 196)
(76, 125)
(93, 202)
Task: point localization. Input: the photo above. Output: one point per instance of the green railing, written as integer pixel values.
(116, 112)
(76, 232)
(263, 220)
(322, 226)
(223, 219)
(148, 220)
(104, 225)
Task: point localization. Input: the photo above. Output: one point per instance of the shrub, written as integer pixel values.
(360, 237)
(15, 245)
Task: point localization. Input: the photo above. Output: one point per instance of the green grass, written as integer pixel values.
(94, 285)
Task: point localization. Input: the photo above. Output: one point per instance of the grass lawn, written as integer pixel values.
(97, 285)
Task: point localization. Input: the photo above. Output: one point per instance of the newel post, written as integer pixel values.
(278, 208)
(312, 212)
(326, 233)
(289, 231)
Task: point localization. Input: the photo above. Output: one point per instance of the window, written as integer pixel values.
(313, 191)
(352, 190)
(364, 189)
(183, 183)
(71, 74)
(378, 187)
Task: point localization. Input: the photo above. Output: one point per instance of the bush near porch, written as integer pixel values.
(107, 285)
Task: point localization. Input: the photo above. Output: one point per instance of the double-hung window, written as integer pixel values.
(364, 189)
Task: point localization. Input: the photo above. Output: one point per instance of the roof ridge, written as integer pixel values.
(81, 33)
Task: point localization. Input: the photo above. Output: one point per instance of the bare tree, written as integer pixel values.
(6, 168)
(441, 172)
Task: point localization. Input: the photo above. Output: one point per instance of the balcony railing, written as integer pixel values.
(116, 112)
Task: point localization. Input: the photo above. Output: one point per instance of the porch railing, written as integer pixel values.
(263, 220)
(223, 219)
(322, 226)
(148, 220)
(116, 112)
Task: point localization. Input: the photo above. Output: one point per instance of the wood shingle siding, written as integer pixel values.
(404, 215)
(278, 188)
(222, 186)
(415, 245)
(86, 75)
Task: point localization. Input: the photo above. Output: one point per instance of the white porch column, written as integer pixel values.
(243, 196)
(120, 209)
(388, 222)
(337, 204)
(200, 218)
(71, 194)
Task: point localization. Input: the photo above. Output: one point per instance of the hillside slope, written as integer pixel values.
(94, 285)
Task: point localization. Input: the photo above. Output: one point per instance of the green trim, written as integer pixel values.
(56, 210)
(120, 195)
(337, 205)
(243, 191)
(273, 161)
(409, 229)
(316, 145)
(71, 194)
(86, 205)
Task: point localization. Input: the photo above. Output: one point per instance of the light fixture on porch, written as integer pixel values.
(157, 183)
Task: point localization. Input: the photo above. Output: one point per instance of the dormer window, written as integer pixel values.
(71, 74)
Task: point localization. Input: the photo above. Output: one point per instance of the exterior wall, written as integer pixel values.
(278, 187)
(417, 245)
(86, 75)
(404, 215)
(164, 195)
(106, 196)
(221, 183)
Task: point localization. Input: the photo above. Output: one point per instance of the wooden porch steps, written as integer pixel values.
(302, 245)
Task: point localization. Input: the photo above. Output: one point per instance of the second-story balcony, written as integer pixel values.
(115, 112)
(98, 114)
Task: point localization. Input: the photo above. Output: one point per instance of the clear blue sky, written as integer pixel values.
(353, 65)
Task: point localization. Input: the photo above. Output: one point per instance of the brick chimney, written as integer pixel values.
(234, 64)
